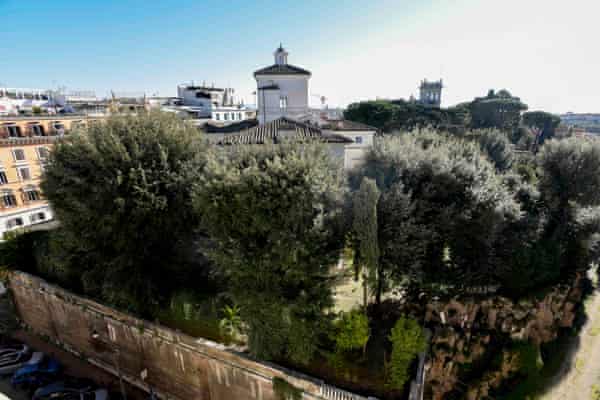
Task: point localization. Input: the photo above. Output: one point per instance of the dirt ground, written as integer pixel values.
(579, 376)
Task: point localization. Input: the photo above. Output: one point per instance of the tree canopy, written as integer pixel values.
(497, 110)
(442, 201)
(274, 213)
(543, 121)
(392, 115)
(117, 187)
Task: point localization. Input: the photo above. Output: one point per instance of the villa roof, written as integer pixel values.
(346, 125)
(283, 69)
(272, 132)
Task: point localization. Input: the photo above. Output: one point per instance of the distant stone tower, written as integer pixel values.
(430, 93)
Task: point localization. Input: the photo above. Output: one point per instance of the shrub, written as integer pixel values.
(352, 331)
(408, 340)
(285, 390)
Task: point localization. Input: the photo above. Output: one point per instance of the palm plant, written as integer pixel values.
(231, 323)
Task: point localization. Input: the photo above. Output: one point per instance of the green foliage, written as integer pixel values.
(595, 392)
(497, 110)
(285, 390)
(231, 323)
(274, 213)
(378, 113)
(570, 172)
(441, 207)
(496, 146)
(408, 340)
(352, 331)
(544, 121)
(117, 188)
(365, 234)
(401, 115)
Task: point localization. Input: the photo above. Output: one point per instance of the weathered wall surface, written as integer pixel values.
(468, 330)
(178, 366)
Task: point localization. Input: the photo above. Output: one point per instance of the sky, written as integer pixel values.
(547, 52)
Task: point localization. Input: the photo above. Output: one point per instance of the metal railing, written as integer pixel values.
(332, 393)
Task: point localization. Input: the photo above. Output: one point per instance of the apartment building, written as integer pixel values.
(25, 143)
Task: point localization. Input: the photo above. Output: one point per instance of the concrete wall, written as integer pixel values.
(178, 366)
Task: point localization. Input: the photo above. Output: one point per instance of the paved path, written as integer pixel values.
(581, 370)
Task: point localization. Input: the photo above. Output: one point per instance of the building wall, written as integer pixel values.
(354, 153)
(294, 87)
(178, 366)
(26, 212)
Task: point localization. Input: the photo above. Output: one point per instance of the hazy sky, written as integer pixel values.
(545, 51)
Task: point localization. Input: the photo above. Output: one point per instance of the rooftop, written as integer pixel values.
(282, 128)
(283, 69)
(346, 125)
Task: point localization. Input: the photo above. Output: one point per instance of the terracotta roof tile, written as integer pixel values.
(272, 132)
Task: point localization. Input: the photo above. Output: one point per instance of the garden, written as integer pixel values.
(242, 244)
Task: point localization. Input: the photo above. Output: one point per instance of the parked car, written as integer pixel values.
(32, 376)
(13, 347)
(71, 389)
(11, 361)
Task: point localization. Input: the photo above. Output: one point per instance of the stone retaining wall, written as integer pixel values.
(178, 366)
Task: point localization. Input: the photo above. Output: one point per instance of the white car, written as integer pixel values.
(12, 361)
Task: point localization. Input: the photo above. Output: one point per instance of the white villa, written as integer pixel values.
(284, 113)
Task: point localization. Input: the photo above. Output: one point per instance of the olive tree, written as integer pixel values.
(441, 209)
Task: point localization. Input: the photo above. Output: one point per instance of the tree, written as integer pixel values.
(569, 182)
(408, 340)
(557, 234)
(496, 145)
(375, 113)
(274, 213)
(441, 208)
(117, 187)
(365, 234)
(497, 110)
(397, 115)
(352, 331)
(543, 121)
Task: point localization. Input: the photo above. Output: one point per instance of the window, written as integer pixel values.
(19, 155)
(13, 131)
(226, 116)
(3, 178)
(59, 128)
(37, 130)
(37, 217)
(8, 199)
(358, 139)
(24, 173)
(283, 102)
(31, 195)
(14, 222)
(217, 116)
(240, 116)
(42, 153)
